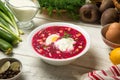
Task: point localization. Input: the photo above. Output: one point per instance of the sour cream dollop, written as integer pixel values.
(65, 44)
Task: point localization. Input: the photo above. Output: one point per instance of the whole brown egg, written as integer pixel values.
(113, 33)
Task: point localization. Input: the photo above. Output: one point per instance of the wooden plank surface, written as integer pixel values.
(34, 68)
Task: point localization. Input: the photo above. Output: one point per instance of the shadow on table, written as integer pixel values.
(73, 71)
(60, 72)
(21, 77)
(92, 60)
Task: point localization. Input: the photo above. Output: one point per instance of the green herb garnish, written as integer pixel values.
(71, 6)
(66, 35)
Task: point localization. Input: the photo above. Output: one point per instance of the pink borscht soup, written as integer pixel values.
(58, 42)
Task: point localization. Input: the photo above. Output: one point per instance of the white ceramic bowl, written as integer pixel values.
(60, 61)
(3, 60)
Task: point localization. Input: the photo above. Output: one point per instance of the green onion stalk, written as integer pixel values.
(8, 16)
(8, 21)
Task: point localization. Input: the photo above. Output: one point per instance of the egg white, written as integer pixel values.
(52, 38)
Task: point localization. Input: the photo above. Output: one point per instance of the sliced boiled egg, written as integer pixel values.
(52, 38)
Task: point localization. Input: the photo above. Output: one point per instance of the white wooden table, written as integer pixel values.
(35, 69)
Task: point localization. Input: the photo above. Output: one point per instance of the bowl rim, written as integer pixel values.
(35, 1)
(60, 24)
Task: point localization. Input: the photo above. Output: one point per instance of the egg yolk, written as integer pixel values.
(52, 38)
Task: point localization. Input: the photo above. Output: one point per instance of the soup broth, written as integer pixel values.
(58, 42)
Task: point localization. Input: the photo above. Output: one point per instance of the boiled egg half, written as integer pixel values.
(52, 38)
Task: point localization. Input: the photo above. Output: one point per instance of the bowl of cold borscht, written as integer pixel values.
(59, 43)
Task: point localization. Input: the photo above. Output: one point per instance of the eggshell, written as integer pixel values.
(113, 33)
